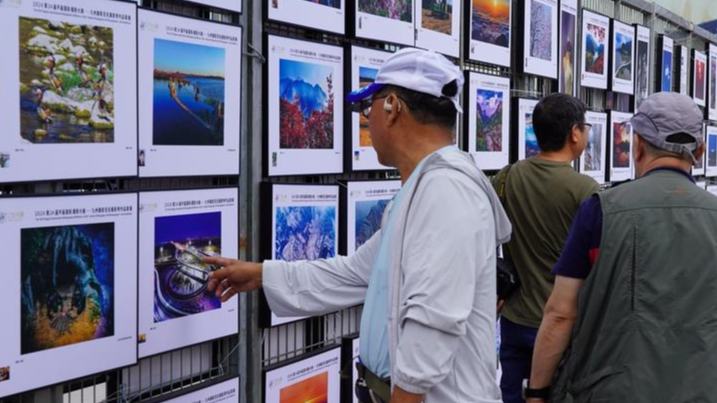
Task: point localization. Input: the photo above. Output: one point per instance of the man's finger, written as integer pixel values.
(218, 260)
(228, 294)
(221, 286)
(212, 283)
(220, 274)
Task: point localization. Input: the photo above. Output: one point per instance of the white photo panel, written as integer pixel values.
(178, 229)
(595, 36)
(666, 62)
(231, 5)
(304, 226)
(438, 25)
(568, 46)
(712, 83)
(642, 64)
(305, 107)
(390, 21)
(623, 58)
(527, 141)
(314, 379)
(68, 90)
(489, 31)
(699, 77)
(592, 162)
(489, 120)
(364, 67)
(366, 203)
(227, 391)
(69, 288)
(711, 151)
(189, 96)
(621, 165)
(684, 70)
(325, 15)
(540, 38)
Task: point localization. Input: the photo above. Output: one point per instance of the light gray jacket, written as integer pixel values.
(442, 291)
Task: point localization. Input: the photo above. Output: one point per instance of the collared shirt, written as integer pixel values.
(582, 247)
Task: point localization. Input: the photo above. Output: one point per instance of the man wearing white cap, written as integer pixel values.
(427, 278)
(632, 316)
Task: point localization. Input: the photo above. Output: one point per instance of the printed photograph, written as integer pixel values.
(180, 276)
(712, 150)
(367, 75)
(641, 77)
(568, 25)
(700, 79)
(313, 390)
(489, 120)
(595, 45)
(188, 94)
(305, 233)
(66, 82)
(531, 141)
(327, 3)
(621, 146)
(436, 15)
(713, 83)
(306, 105)
(368, 219)
(401, 10)
(4, 373)
(623, 56)
(541, 30)
(593, 150)
(67, 285)
(490, 22)
(666, 71)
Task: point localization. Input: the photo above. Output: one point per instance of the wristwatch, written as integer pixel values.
(529, 393)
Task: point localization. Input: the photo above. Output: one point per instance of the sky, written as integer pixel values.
(188, 58)
(181, 227)
(311, 73)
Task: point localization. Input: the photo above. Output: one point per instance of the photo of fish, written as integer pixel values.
(180, 276)
(67, 285)
(490, 22)
(188, 105)
(66, 82)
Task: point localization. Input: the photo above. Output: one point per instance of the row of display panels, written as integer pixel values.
(92, 74)
(96, 281)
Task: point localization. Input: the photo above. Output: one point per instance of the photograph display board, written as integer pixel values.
(313, 379)
(623, 55)
(364, 67)
(366, 202)
(438, 25)
(231, 5)
(698, 169)
(325, 15)
(189, 96)
(568, 46)
(227, 391)
(540, 38)
(527, 142)
(642, 64)
(177, 229)
(488, 104)
(349, 354)
(489, 31)
(304, 225)
(684, 83)
(595, 36)
(68, 90)
(387, 21)
(69, 289)
(699, 77)
(712, 83)
(666, 63)
(305, 107)
(711, 150)
(592, 162)
(621, 166)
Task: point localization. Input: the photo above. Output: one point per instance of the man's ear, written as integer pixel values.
(638, 149)
(699, 152)
(393, 108)
(575, 134)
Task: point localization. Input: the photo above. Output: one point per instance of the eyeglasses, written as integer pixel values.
(364, 107)
(587, 125)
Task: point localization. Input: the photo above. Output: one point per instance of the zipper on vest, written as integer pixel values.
(633, 268)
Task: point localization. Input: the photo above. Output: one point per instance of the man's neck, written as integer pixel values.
(665, 162)
(563, 155)
(411, 157)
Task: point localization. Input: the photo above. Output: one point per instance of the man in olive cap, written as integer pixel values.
(633, 314)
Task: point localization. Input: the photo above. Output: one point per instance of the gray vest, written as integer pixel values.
(647, 314)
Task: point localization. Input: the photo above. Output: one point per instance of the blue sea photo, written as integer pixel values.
(189, 91)
(666, 71)
(305, 232)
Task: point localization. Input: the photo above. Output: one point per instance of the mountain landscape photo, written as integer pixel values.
(595, 49)
(489, 120)
(490, 22)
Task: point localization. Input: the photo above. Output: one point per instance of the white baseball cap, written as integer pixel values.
(418, 70)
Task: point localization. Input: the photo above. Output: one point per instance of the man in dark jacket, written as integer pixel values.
(633, 312)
